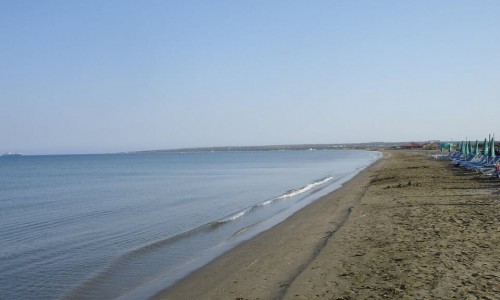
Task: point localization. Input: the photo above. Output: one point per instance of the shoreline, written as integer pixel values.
(407, 227)
(258, 262)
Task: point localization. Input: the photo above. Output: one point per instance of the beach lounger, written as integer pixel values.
(443, 156)
(457, 162)
(476, 162)
(491, 169)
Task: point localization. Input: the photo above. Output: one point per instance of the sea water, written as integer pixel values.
(128, 225)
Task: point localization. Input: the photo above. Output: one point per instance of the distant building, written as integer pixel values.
(430, 146)
(412, 145)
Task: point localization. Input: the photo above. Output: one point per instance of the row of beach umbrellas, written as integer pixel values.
(467, 148)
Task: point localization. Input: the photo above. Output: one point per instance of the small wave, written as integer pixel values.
(267, 202)
(239, 214)
(289, 194)
(236, 215)
(295, 192)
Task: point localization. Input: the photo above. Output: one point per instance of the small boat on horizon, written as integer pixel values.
(12, 154)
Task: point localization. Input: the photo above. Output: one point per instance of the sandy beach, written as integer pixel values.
(408, 227)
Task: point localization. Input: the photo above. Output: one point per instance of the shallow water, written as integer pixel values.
(128, 225)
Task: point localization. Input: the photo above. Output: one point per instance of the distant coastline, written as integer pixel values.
(298, 147)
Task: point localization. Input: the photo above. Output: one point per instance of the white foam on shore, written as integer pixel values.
(289, 194)
(304, 189)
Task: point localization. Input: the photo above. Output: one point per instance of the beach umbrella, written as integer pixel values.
(485, 147)
(476, 152)
(470, 148)
(450, 145)
(492, 147)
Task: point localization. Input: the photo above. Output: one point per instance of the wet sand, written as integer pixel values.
(408, 227)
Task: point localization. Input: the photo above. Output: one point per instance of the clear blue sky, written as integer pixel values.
(115, 75)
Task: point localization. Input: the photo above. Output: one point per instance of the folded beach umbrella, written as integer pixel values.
(485, 147)
(450, 147)
(476, 152)
(492, 147)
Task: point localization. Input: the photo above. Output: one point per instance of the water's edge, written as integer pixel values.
(325, 193)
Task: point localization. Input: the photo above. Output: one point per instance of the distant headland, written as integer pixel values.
(301, 147)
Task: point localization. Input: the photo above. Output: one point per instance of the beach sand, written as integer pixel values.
(408, 227)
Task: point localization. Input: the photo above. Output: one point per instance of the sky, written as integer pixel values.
(116, 75)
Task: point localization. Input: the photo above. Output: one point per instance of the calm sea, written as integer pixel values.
(127, 225)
